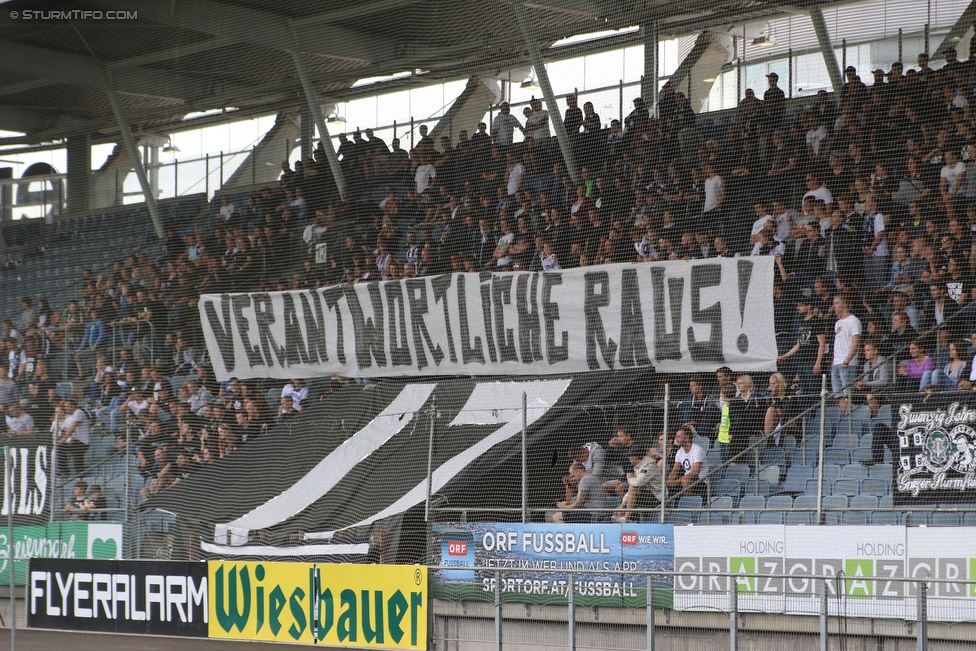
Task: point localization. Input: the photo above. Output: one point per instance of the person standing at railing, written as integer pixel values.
(746, 414)
(93, 339)
(847, 343)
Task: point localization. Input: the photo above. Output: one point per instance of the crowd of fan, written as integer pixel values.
(867, 202)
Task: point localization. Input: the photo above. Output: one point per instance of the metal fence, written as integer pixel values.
(737, 617)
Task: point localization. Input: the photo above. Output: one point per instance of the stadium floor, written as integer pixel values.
(37, 640)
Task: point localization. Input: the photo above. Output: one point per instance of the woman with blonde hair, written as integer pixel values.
(774, 412)
(746, 419)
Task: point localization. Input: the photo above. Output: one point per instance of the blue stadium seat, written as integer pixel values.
(812, 487)
(723, 516)
(874, 486)
(702, 441)
(944, 519)
(771, 475)
(837, 456)
(880, 471)
(831, 472)
(916, 518)
(780, 503)
(713, 458)
(884, 518)
(771, 517)
(861, 453)
(799, 517)
(864, 502)
(796, 478)
(686, 517)
(728, 487)
(846, 487)
(845, 442)
(774, 456)
(63, 390)
(854, 471)
(756, 487)
(738, 473)
(854, 517)
(834, 506)
(751, 502)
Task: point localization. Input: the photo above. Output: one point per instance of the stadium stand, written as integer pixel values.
(868, 216)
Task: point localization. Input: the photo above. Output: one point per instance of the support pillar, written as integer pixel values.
(79, 172)
(555, 118)
(830, 59)
(649, 83)
(308, 132)
(315, 108)
(133, 151)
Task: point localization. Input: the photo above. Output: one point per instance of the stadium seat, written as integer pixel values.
(944, 519)
(273, 398)
(774, 456)
(780, 503)
(713, 458)
(845, 442)
(799, 517)
(702, 442)
(884, 518)
(846, 487)
(876, 487)
(796, 478)
(756, 502)
(788, 442)
(969, 518)
(854, 517)
(812, 487)
(861, 453)
(723, 515)
(831, 472)
(728, 487)
(738, 473)
(864, 502)
(886, 502)
(881, 471)
(916, 518)
(834, 506)
(771, 517)
(837, 456)
(854, 471)
(686, 517)
(756, 487)
(771, 475)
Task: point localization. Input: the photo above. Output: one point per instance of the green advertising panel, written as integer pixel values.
(59, 540)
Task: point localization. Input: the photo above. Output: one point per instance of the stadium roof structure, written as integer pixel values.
(233, 58)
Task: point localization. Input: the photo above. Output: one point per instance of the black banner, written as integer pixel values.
(31, 461)
(147, 597)
(934, 448)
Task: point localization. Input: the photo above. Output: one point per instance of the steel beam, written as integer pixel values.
(133, 151)
(830, 59)
(312, 99)
(535, 56)
(649, 83)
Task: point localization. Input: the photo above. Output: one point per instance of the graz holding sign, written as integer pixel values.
(675, 316)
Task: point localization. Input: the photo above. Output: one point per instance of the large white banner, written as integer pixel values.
(675, 316)
(868, 566)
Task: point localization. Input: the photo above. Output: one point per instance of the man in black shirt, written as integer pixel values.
(774, 100)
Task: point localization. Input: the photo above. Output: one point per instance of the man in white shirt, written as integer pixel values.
(537, 124)
(514, 174)
(952, 180)
(503, 127)
(19, 422)
(760, 224)
(818, 191)
(75, 438)
(298, 392)
(970, 382)
(425, 173)
(690, 465)
(714, 190)
(226, 209)
(847, 342)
